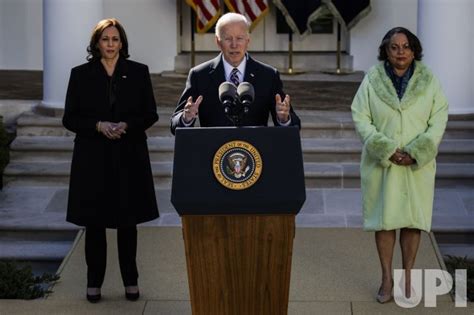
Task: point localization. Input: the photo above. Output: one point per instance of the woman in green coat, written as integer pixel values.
(400, 113)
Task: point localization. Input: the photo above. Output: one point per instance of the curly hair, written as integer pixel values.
(93, 50)
(413, 41)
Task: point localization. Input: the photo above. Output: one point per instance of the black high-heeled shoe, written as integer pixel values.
(132, 296)
(93, 298)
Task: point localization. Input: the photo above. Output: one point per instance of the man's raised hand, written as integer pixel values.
(282, 108)
(191, 109)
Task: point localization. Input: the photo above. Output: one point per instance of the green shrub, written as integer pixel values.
(453, 263)
(20, 283)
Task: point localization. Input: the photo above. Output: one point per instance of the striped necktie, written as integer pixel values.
(234, 78)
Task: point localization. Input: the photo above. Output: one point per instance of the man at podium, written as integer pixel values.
(201, 96)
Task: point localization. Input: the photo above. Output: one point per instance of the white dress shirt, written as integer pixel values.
(228, 69)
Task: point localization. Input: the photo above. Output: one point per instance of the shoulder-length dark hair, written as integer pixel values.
(93, 51)
(413, 41)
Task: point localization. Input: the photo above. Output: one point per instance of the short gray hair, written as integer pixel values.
(229, 18)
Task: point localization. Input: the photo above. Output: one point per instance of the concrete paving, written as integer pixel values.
(334, 271)
(39, 207)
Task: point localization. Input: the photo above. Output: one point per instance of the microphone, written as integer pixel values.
(227, 95)
(246, 94)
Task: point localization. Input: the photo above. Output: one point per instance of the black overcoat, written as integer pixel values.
(205, 79)
(111, 183)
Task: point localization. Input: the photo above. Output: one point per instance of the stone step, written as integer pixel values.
(34, 250)
(35, 245)
(315, 124)
(32, 124)
(57, 173)
(54, 148)
(458, 244)
(458, 250)
(317, 175)
(349, 150)
(57, 148)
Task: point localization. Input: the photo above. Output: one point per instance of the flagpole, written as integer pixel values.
(338, 53)
(338, 70)
(290, 69)
(290, 51)
(193, 48)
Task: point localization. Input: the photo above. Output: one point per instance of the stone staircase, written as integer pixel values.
(41, 153)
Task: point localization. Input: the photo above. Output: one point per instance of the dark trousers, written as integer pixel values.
(96, 255)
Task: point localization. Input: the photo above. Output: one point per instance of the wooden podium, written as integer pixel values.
(238, 242)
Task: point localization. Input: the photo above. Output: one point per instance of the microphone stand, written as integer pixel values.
(236, 101)
(236, 113)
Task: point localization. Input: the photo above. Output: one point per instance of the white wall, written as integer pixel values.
(66, 32)
(2, 27)
(21, 39)
(151, 27)
(471, 49)
(446, 32)
(366, 36)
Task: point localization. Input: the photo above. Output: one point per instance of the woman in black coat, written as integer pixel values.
(109, 105)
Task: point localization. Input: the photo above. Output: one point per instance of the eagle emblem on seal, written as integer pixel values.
(237, 165)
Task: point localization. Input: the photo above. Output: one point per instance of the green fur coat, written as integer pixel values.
(396, 196)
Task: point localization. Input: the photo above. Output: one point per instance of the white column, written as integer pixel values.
(67, 26)
(446, 32)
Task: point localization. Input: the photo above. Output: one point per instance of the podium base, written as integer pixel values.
(239, 264)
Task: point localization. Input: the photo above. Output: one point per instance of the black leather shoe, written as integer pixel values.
(132, 296)
(93, 298)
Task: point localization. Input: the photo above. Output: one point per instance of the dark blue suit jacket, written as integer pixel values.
(205, 79)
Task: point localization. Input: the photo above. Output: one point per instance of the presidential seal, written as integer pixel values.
(237, 165)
